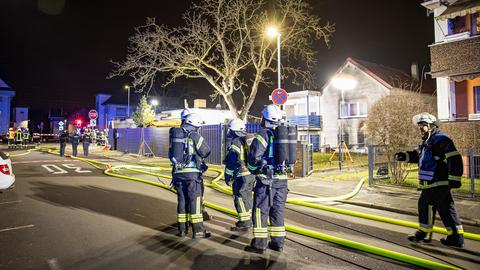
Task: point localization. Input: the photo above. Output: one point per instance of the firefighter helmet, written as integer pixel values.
(425, 118)
(236, 125)
(272, 113)
(194, 119)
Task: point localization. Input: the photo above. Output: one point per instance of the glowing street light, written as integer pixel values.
(154, 102)
(127, 87)
(272, 32)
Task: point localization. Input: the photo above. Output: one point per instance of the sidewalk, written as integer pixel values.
(384, 197)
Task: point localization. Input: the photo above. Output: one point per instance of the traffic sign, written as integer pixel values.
(93, 122)
(279, 96)
(92, 114)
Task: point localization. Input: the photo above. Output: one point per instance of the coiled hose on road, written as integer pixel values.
(110, 170)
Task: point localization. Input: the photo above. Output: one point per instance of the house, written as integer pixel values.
(20, 117)
(374, 81)
(112, 106)
(303, 109)
(209, 116)
(455, 58)
(6, 96)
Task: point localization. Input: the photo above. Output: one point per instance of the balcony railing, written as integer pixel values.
(459, 60)
(305, 120)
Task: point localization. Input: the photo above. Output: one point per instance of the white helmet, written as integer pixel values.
(424, 117)
(272, 113)
(184, 114)
(194, 119)
(237, 125)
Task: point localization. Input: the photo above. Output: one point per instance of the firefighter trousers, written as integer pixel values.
(242, 188)
(438, 199)
(189, 199)
(74, 149)
(269, 205)
(62, 149)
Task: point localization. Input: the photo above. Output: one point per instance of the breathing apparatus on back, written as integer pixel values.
(284, 139)
(180, 152)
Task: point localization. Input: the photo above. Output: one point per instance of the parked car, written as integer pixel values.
(7, 178)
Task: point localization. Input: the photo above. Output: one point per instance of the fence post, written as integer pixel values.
(471, 170)
(371, 161)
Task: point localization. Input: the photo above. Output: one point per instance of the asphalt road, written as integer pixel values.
(66, 214)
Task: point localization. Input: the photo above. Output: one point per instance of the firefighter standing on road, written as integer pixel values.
(75, 142)
(440, 169)
(11, 138)
(86, 140)
(187, 150)
(25, 137)
(237, 174)
(18, 138)
(271, 186)
(63, 142)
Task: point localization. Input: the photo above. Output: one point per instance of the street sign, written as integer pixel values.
(92, 114)
(279, 96)
(93, 122)
(60, 126)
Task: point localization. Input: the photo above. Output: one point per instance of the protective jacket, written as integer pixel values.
(195, 150)
(236, 159)
(439, 162)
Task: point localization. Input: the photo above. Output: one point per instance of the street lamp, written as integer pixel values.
(154, 102)
(272, 32)
(127, 87)
(343, 82)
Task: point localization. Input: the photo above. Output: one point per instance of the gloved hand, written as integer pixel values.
(228, 180)
(400, 156)
(203, 167)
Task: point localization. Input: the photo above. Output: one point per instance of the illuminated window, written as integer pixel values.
(353, 109)
(476, 92)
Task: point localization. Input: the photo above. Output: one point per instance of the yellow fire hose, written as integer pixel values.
(344, 242)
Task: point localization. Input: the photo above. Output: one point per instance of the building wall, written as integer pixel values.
(99, 99)
(5, 101)
(20, 114)
(368, 90)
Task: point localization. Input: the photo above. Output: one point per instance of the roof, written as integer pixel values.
(388, 76)
(121, 100)
(460, 8)
(4, 85)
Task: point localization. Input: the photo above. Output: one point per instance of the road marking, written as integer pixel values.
(53, 263)
(77, 169)
(17, 228)
(11, 202)
(40, 161)
(57, 170)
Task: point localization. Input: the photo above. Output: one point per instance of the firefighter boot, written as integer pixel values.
(454, 240)
(419, 236)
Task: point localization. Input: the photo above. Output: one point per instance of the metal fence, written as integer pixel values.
(382, 166)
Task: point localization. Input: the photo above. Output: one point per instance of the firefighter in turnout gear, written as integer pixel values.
(186, 152)
(440, 168)
(271, 188)
(206, 216)
(237, 174)
(11, 138)
(63, 142)
(25, 137)
(18, 138)
(75, 142)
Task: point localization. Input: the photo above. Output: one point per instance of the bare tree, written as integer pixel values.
(389, 125)
(224, 42)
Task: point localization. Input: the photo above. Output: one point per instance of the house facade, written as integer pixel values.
(6, 96)
(348, 115)
(455, 58)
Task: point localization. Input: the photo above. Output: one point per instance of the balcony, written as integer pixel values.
(459, 60)
(313, 121)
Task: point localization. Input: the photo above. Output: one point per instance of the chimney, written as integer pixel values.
(414, 72)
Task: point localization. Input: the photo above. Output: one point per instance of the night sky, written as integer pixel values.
(56, 53)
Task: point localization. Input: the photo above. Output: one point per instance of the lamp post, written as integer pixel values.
(343, 82)
(272, 32)
(154, 102)
(127, 87)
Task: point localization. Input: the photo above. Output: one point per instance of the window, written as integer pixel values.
(476, 23)
(457, 25)
(476, 92)
(121, 112)
(353, 109)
